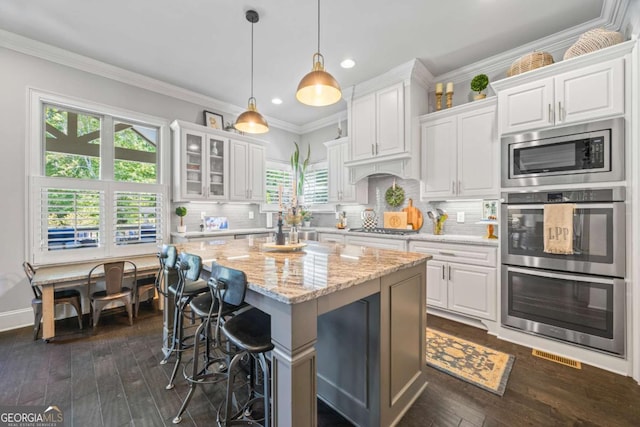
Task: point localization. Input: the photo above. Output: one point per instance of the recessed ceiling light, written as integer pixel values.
(348, 63)
(276, 101)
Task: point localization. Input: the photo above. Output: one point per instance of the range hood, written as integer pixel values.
(400, 166)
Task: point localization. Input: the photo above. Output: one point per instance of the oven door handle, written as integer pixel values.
(579, 206)
(562, 276)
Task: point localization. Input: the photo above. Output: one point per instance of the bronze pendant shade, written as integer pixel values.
(318, 88)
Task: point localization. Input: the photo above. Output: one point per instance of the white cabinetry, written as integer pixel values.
(460, 155)
(331, 238)
(383, 116)
(201, 163)
(247, 171)
(340, 188)
(376, 242)
(461, 279)
(590, 92)
(377, 123)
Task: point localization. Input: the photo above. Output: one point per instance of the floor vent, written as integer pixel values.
(557, 359)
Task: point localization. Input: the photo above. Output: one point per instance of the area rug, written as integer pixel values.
(481, 366)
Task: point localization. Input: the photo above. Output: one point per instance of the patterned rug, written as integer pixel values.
(481, 366)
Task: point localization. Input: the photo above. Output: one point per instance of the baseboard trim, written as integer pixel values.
(16, 319)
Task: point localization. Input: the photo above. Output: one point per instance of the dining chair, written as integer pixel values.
(144, 287)
(115, 290)
(63, 296)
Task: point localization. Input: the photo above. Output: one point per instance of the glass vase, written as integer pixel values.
(293, 235)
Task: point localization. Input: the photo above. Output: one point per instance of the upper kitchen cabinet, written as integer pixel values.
(580, 89)
(377, 124)
(340, 188)
(383, 122)
(201, 163)
(460, 156)
(247, 171)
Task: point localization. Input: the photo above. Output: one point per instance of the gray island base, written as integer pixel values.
(348, 325)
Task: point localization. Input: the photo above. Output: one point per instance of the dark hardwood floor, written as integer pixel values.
(114, 378)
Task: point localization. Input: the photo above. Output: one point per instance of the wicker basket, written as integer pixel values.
(530, 62)
(593, 40)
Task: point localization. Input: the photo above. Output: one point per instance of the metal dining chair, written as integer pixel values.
(115, 290)
(63, 296)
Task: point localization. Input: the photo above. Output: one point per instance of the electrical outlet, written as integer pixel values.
(202, 214)
(250, 214)
(460, 218)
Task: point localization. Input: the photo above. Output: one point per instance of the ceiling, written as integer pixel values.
(204, 46)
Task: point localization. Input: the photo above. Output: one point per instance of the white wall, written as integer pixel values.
(20, 72)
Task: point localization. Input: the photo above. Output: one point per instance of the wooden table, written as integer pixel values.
(50, 278)
(348, 325)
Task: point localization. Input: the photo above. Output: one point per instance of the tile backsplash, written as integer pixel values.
(377, 188)
(238, 214)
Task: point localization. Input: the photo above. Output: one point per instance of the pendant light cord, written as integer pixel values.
(252, 59)
(318, 26)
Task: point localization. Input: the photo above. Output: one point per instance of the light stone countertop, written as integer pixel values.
(293, 277)
(444, 238)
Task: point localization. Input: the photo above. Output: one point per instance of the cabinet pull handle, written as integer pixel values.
(560, 115)
(446, 253)
(550, 114)
(453, 187)
(449, 272)
(376, 148)
(459, 185)
(373, 153)
(443, 272)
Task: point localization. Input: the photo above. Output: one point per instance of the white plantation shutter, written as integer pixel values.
(316, 187)
(70, 218)
(278, 176)
(137, 218)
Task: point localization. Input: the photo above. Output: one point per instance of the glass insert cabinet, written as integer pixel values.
(201, 167)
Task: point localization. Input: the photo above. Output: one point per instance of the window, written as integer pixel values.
(279, 177)
(96, 190)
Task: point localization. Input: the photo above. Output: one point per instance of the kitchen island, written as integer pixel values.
(348, 325)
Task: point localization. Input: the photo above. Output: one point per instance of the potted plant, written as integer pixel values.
(181, 211)
(478, 84)
(306, 217)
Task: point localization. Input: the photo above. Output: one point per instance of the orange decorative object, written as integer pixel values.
(490, 229)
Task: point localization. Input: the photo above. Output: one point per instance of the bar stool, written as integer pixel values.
(229, 287)
(167, 258)
(189, 286)
(250, 332)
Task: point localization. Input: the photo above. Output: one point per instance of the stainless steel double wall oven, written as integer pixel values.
(580, 297)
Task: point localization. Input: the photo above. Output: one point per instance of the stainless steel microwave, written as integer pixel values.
(591, 152)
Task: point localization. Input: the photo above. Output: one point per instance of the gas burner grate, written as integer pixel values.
(380, 230)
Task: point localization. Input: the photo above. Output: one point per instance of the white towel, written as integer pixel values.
(558, 228)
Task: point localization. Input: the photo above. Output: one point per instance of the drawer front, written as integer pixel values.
(330, 238)
(398, 245)
(467, 254)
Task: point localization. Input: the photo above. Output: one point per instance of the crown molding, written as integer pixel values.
(491, 101)
(324, 122)
(60, 56)
(611, 17)
(397, 74)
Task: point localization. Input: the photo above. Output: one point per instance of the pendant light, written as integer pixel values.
(251, 121)
(318, 88)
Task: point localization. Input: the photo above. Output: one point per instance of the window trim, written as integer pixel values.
(33, 176)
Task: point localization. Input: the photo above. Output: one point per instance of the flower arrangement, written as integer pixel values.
(292, 217)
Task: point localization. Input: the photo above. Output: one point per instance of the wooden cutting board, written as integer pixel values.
(414, 216)
(395, 220)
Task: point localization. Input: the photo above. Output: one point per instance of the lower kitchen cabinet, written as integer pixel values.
(377, 242)
(461, 279)
(331, 238)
